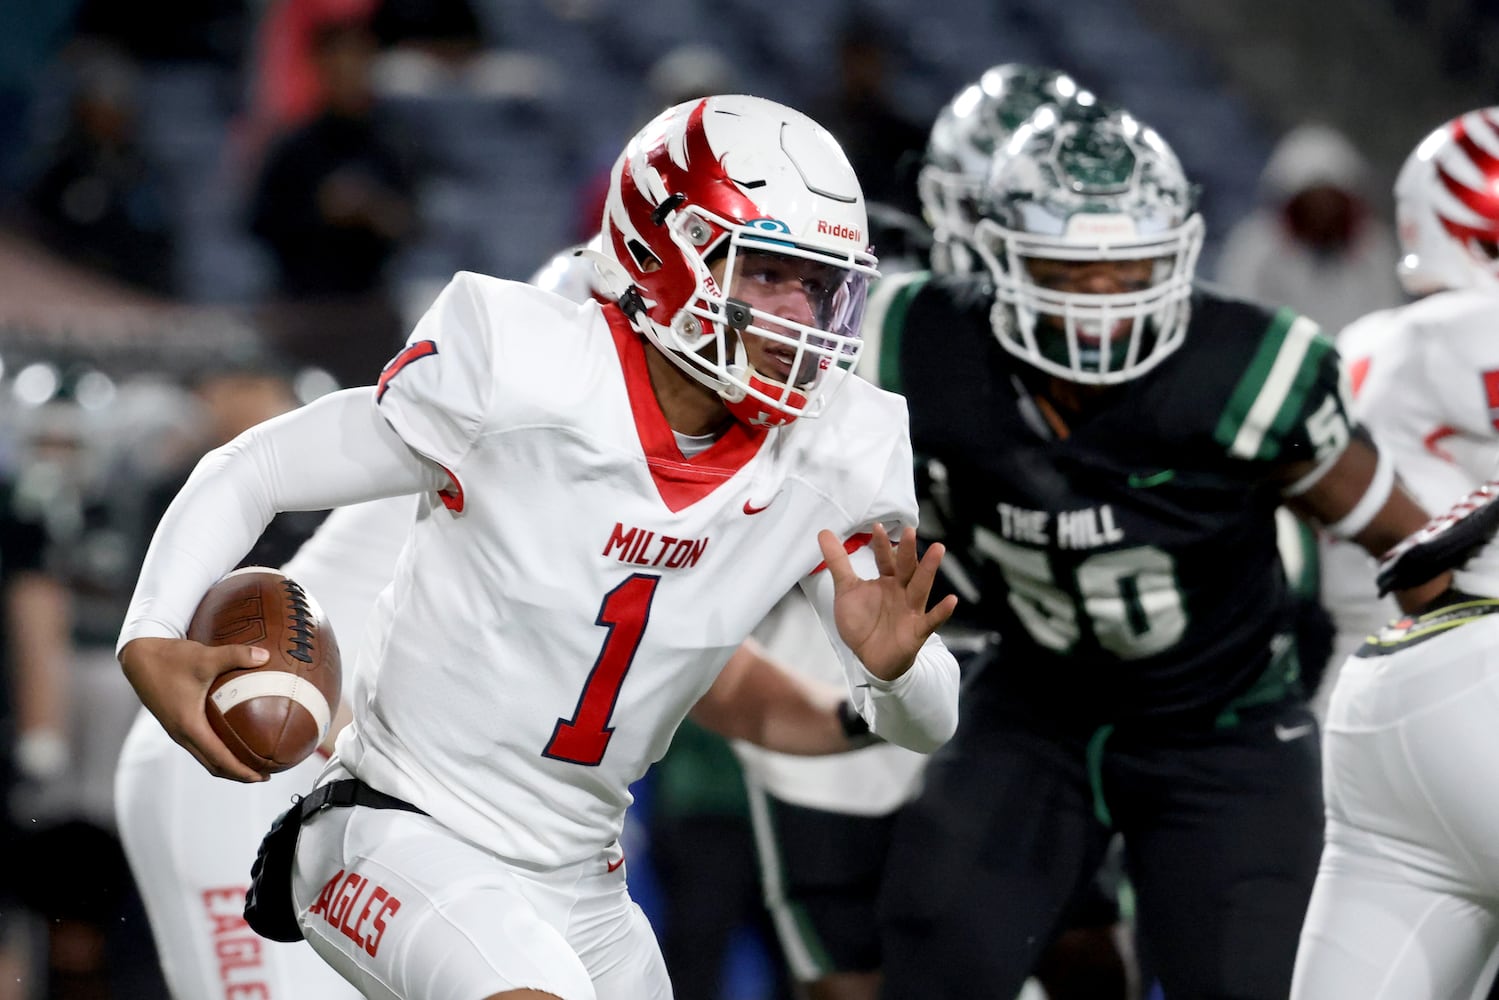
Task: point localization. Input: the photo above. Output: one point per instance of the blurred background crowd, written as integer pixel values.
(213, 210)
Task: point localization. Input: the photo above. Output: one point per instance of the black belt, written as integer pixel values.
(350, 792)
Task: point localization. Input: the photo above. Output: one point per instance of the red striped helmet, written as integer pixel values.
(1447, 207)
(733, 177)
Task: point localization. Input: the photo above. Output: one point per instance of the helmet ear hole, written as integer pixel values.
(644, 259)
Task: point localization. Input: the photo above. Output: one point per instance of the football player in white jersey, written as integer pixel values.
(190, 837)
(1405, 903)
(612, 498)
(1425, 376)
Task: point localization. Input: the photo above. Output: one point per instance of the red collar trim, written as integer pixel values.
(680, 481)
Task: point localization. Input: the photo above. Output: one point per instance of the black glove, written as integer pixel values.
(1446, 542)
(854, 727)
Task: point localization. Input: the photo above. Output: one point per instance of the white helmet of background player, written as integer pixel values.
(968, 131)
(733, 177)
(1447, 207)
(1088, 183)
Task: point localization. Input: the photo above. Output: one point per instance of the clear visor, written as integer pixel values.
(783, 315)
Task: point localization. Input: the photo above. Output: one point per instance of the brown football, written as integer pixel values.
(272, 716)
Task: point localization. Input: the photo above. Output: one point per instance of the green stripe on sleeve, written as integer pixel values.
(1272, 391)
(1306, 378)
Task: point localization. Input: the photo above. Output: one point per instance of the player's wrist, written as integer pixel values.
(855, 727)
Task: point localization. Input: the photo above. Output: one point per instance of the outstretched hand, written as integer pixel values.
(171, 677)
(885, 620)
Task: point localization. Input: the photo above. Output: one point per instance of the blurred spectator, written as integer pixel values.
(1313, 244)
(72, 516)
(286, 89)
(419, 41)
(883, 145)
(96, 197)
(227, 399)
(169, 31)
(447, 30)
(31, 35)
(34, 621)
(333, 203)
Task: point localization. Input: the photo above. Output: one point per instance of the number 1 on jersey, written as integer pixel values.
(625, 611)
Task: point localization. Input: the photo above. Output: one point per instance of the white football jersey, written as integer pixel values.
(578, 589)
(1426, 384)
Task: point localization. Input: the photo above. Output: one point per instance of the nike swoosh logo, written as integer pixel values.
(1139, 482)
(614, 865)
(1288, 733)
(755, 510)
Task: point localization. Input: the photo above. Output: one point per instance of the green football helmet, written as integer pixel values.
(972, 127)
(1085, 184)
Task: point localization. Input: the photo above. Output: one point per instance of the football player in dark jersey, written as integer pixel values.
(1108, 445)
(821, 833)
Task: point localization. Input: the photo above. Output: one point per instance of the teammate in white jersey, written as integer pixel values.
(1406, 902)
(1426, 375)
(574, 579)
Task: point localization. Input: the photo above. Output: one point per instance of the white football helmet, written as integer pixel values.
(728, 176)
(968, 131)
(1447, 207)
(1089, 183)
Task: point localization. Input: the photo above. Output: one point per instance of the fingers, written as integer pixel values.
(885, 559)
(226, 658)
(923, 574)
(836, 559)
(199, 739)
(940, 613)
(905, 555)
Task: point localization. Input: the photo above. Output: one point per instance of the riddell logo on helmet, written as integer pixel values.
(826, 228)
(1101, 226)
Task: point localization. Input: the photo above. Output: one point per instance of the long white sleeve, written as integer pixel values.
(335, 451)
(919, 709)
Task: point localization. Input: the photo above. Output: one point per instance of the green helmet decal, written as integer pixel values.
(1096, 162)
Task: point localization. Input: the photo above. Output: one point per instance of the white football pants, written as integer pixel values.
(1406, 905)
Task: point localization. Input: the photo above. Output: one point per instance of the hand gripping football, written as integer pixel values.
(272, 716)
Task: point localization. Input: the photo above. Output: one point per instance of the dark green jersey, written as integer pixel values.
(1129, 562)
